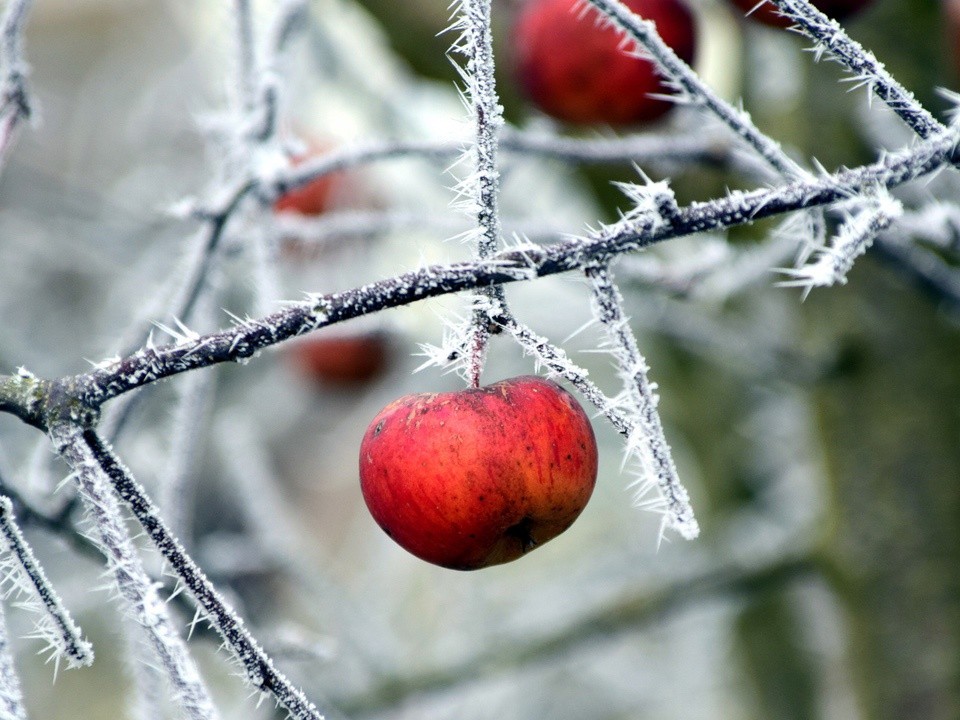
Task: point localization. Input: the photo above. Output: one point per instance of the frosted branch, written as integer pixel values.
(697, 91)
(831, 264)
(481, 188)
(675, 70)
(647, 439)
(648, 148)
(830, 38)
(555, 359)
(11, 698)
(58, 629)
(258, 667)
(136, 589)
(629, 235)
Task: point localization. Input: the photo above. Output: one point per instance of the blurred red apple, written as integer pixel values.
(578, 72)
(768, 15)
(482, 476)
(340, 359)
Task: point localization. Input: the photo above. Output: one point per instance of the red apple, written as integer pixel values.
(481, 476)
(768, 15)
(578, 72)
(342, 360)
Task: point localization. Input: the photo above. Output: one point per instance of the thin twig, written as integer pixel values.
(68, 640)
(480, 190)
(648, 439)
(115, 378)
(135, 586)
(830, 37)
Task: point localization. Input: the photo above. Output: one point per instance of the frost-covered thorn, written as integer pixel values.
(182, 335)
(654, 201)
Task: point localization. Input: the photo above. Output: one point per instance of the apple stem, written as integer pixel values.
(480, 191)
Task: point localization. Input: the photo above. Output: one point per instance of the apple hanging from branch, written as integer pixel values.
(480, 476)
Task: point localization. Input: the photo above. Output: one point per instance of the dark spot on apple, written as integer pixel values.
(569, 456)
(481, 498)
(521, 532)
(376, 430)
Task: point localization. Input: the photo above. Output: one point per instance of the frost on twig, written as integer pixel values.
(11, 698)
(694, 90)
(832, 40)
(479, 191)
(639, 400)
(135, 587)
(25, 577)
(830, 265)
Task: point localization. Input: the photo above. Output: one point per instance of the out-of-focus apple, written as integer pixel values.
(481, 476)
(340, 360)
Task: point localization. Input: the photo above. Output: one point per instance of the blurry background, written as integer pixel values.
(820, 439)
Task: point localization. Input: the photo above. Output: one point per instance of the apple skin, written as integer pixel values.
(479, 477)
(768, 15)
(578, 72)
(341, 360)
